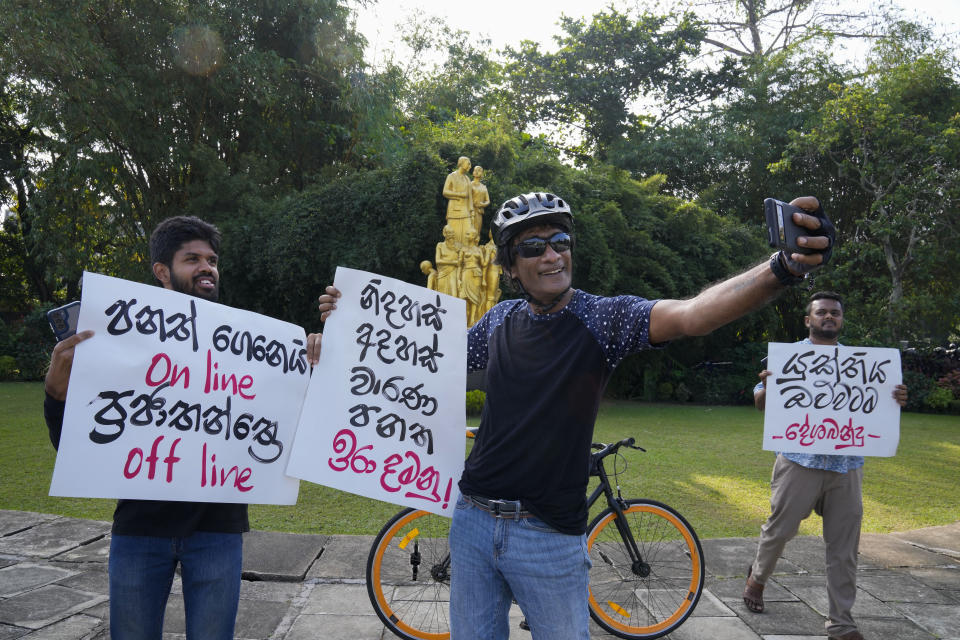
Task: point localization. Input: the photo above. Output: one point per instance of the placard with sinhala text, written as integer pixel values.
(179, 398)
(385, 410)
(832, 400)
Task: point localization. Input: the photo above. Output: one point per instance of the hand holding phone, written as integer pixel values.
(782, 231)
(63, 320)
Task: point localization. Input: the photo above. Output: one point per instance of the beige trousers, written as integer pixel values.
(795, 490)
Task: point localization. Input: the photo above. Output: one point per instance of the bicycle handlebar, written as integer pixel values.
(603, 450)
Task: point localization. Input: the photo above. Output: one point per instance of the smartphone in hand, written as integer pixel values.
(63, 320)
(782, 232)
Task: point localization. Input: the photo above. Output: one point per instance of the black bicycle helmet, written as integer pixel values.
(529, 210)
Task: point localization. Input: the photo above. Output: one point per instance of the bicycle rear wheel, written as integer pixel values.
(652, 598)
(408, 575)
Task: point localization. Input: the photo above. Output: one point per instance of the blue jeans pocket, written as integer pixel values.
(536, 524)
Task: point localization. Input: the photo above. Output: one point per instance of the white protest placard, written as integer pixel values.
(385, 413)
(179, 398)
(832, 400)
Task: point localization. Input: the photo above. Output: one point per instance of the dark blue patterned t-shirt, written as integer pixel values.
(545, 376)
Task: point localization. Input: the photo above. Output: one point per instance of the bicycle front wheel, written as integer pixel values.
(408, 575)
(653, 595)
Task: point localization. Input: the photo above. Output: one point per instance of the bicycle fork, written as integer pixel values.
(638, 565)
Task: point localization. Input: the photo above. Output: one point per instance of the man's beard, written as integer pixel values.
(190, 288)
(825, 334)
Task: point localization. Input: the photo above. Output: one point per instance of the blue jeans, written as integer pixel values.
(494, 560)
(141, 574)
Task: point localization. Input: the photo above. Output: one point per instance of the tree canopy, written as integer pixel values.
(665, 128)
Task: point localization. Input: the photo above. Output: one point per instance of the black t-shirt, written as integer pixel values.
(545, 377)
(156, 517)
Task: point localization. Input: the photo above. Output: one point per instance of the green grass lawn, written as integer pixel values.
(704, 461)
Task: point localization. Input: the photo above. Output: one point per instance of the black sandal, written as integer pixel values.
(753, 595)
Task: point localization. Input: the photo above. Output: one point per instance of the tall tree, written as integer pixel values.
(606, 67)
(137, 111)
(757, 29)
(895, 136)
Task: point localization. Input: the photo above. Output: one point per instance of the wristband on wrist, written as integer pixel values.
(783, 274)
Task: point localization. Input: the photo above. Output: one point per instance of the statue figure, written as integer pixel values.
(457, 191)
(491, 276)
(471, 277)
(427, 268)
(447, 261)
(481, 198)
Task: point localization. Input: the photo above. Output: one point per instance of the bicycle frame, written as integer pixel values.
(616, 503)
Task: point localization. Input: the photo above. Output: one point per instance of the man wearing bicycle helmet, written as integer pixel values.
(518, 528)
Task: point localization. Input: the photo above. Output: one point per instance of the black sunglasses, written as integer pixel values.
(535, 247)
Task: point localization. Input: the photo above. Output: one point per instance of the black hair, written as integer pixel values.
(171, 234)
(824, 295)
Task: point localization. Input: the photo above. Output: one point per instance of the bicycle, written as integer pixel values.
(646, 579)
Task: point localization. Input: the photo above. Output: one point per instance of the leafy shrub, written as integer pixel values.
(29, 343)
(34, 342)
(475, 400)
(8, 368)
(939, 398)
(722, 384)
(919, 387)
(951, 381)
(665, 391)
(6, 339)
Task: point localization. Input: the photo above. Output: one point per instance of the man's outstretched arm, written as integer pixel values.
(728, 300)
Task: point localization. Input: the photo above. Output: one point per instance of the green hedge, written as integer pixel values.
(25, 346)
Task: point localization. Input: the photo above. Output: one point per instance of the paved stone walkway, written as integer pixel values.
(53, 586)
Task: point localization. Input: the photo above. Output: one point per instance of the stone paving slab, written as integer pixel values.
(343, 558)
(15, 521)
(790, 618)
(27, 576)
(813, 591)
(269, 591)
(907, 592)
(710, 606)
(941, 578)
(730, 590)
(97, 551)
(334, 627)
(76, 626)
(941, 620)
(888, 551)
(339, 599)
(255, 621)
(892, 628)
(93, 580)
(715, 629)
(271, 555)
(807, 553)
(941, 540)
(8, 632)
(50, 538)
(45, 606)
(900, 588)
(728, 557)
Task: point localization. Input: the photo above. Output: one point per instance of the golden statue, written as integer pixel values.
(427, 268)
(448, 261)
(457, 191)
(491, 276)
(471, 277)
(481, 199)
(464, 269)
